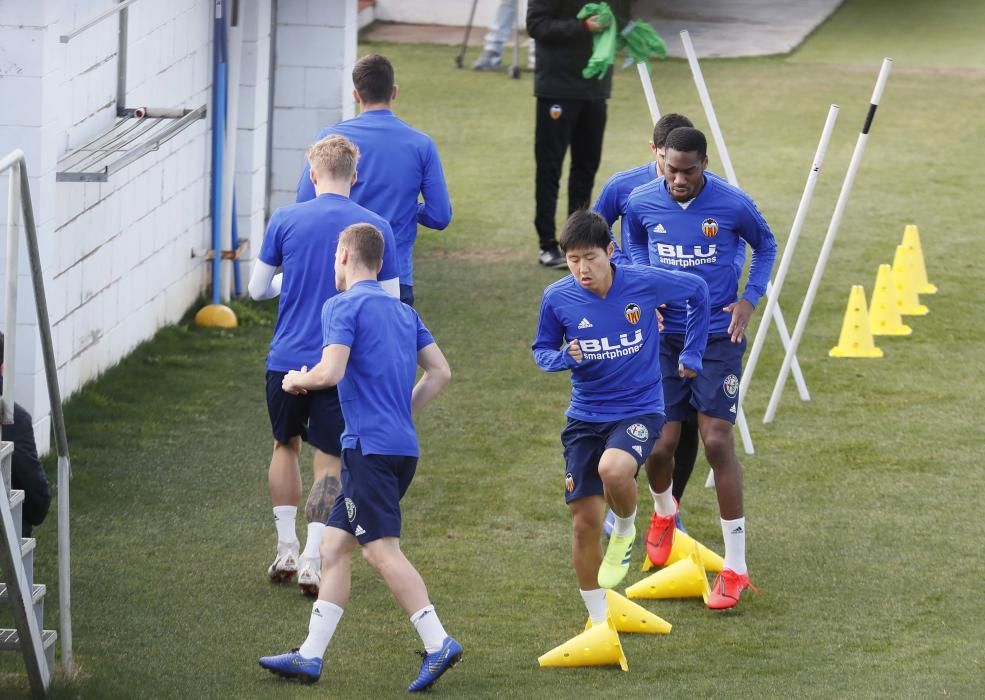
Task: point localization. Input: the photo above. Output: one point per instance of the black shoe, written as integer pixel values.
(552, 257)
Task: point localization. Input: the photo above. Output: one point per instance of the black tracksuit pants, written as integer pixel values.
(579, 124)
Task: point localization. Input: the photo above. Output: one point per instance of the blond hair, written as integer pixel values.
(334, 156)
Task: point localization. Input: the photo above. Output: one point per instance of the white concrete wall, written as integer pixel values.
(315, 49)
(117, 256)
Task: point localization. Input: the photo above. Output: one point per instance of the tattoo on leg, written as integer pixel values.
(321, 499)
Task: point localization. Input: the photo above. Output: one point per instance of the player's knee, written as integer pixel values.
(613, 468)
(719, 447)
(585, 527)
(294, 444)
(377, 555)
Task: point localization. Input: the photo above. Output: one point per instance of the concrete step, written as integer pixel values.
(38, 593)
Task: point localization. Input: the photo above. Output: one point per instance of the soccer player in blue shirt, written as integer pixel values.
(373, 345)
(689, 221)
(599, 322)
(611, 204)
(398, 163)
(301, 239)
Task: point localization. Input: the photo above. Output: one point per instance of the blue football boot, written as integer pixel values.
(434, 665)
(293, 665)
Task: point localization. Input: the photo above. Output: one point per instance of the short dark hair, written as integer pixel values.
(666, 124)
(365, 242)
(372, 76)
(686, 139)
(584, 229)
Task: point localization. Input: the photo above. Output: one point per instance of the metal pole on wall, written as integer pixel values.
(829, 239)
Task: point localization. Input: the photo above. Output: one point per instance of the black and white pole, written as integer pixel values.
(829, 239)
(781, 326)
(772, 303)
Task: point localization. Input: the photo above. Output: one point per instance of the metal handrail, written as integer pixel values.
(17, 164)
(65, 38)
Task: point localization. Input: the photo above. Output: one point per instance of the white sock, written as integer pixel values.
(284, 517)
(324, 619)
(663, 502)
(311, 547)
(595, 603)
(623, 526)
(429, 627)
(734, 533)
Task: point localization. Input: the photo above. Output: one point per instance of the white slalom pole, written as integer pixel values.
(651, 98)
(829, 239)
(716, 132)
(773, 299)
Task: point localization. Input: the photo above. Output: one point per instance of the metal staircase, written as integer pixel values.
(25, 597)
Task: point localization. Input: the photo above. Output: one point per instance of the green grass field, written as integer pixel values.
(864, 505)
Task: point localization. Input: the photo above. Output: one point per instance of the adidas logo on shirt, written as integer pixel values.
(585, 323)
(732, 410)
(359, 530)
(638, 450)
(659, 228)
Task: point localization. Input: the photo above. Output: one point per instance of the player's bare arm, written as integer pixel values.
(436, 376)
(328, 372)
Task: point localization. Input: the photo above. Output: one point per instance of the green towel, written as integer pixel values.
(603, 43)
(641, 42)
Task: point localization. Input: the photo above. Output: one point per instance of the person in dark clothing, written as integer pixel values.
(26, 472)
(571, 110)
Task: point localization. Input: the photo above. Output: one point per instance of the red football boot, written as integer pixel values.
(660, 538)
(727, 589)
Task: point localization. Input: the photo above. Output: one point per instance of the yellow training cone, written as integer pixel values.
(856, 336)
(216, 316)
(905, 282)
(682, 579)
(911, 240)
(884, 316)
(596, 646)
(682, 546)
(627, 616)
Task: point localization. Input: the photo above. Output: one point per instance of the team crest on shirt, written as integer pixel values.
(555, 112)
(731, 386)
(350, 509)
(709, 227)
(569, 482)
(638, 431)
(633, 313)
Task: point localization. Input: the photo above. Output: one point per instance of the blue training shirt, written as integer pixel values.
(396, 164)
(619, 375)
(611, 204)
(383, 336)
(302, 239)
(701, 238)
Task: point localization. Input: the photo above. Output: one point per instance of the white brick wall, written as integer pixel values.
(315, 49)
(116, 256)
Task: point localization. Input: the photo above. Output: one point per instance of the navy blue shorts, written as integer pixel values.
(407, 294)
(315, 416)
(715, 391)
(585, 442)
(372, 486)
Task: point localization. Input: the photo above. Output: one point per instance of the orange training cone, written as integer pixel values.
(911, 240)
(905, 281)
(856, 336)
(681, 548)
(596, 646)
(884, 316)
(627, 616)
(682, 579)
